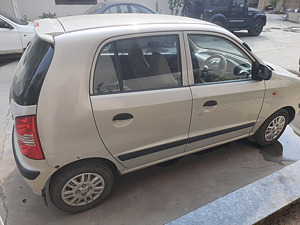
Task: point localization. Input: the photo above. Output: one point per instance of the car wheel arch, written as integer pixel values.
(291, 112)
(219, 17)
(259, 16)
(99, 160)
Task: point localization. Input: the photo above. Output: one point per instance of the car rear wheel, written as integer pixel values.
(219, 23)
(272, 128)
(256, 27)
(81, 186)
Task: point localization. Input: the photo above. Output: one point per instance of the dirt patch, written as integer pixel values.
(289, 215)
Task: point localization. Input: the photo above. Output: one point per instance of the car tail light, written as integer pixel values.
(36, 23)
(28, 137)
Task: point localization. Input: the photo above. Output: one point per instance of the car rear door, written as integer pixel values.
(226, 101)
(140, 97)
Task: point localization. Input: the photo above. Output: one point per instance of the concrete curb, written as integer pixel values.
(251, 203)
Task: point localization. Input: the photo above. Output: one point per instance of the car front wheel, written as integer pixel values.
(272, 128)
(81, 186)
(219, 23)
(256, 27)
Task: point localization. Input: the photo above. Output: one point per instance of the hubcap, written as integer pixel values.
(83, 189)
(257, 27)
(275, 128)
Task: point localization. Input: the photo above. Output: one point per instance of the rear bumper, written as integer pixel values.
(27, 173)
(35, 172)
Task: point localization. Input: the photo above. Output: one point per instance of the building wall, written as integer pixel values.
(6, 6)
(291, 4)
(32, 9)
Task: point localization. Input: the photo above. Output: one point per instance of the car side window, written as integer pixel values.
(138, 64)
(3, 24)
(112, 9)
(215, 59)
(139, 9)
(238, 4)
(218, 2)
(117, 9)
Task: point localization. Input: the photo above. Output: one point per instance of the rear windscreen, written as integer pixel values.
(31, 72)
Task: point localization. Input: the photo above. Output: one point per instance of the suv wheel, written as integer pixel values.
(256, 27)
(272, 128)
(219, 23)
(81, 186)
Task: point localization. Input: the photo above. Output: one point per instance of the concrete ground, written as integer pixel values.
(157, 195)
(279, 43)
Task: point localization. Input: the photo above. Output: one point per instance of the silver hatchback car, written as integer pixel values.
(95, 96)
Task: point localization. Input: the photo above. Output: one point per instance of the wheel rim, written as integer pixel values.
(257, 27)
(275, 128)
(83, 189)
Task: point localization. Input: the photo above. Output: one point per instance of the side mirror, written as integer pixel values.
(262, 72)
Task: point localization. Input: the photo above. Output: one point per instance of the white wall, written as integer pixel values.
(32, 9)
(6, 6)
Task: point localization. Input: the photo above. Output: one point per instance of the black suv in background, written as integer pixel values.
(230, 14)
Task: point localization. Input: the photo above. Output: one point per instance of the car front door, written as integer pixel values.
(9, 38)
(226, 100)
(140, 98)
(238, 14)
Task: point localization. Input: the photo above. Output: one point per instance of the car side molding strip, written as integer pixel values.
(219, 132)
(174, 144)
(154, 149)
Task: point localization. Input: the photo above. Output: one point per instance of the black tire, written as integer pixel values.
(262, 138)
(256, 27)
(91, 170)
(219, 23)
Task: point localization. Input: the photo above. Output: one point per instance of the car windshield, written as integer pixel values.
(94, 9)
(13, 19)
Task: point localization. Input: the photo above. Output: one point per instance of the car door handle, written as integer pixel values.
(210, 103)
(123, 116)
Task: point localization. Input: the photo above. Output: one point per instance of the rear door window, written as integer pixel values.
(138, 64)
(31, 72)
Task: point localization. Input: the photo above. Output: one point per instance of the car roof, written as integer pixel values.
(84, 22)
(47, 29)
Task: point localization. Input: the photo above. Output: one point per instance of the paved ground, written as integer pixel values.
(157, 195)
(278, 43)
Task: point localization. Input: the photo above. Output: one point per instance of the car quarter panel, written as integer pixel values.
(64, 111)
(282, 90)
